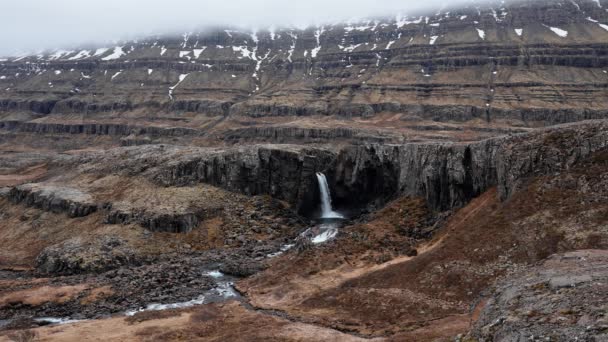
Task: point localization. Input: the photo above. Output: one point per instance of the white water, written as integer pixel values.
(326, 209)
(214, 274)
(282, 250)
(159, 307)
(326, 235)
(58, 321)
(223, 290)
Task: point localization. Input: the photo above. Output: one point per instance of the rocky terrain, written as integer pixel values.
(175, 187)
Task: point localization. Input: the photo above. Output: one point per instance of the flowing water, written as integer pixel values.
(326, 230)
(222, 291)
(327, 211)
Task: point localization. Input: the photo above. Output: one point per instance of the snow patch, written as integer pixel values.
(519, 32)
(433, 39)
(115, 75)
(60, 53)
(81, 54)
(481, 33)
(198, 52)
(558, 31)
(150, 71)
(318, 34)
(100, 51)
(350, 48)
(182, 77)
(258, 65)
(117, 53)
(245, 53)
(402, 21)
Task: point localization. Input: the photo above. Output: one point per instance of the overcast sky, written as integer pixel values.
(31, 25)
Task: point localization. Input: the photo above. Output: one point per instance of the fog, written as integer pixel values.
(34, 25)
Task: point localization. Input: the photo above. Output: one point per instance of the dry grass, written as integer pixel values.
(23, 336)
(97, 294)
(40, 295)
(152, 315)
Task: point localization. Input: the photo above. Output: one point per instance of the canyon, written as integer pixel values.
(437, 176)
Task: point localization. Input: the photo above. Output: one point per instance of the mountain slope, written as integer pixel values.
(517, 64)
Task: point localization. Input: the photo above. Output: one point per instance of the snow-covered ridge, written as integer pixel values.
(447, 25)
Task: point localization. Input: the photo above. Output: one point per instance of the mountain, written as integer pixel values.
(178, 181)
(488, 68)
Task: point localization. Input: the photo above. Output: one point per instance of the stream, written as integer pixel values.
(324, 230)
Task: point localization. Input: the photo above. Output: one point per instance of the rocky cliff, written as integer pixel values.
(447, 175)
(450, 175)
(57, 199)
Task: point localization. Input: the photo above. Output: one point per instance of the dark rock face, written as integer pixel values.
(282, 172)
(97, 129)
(294, 134)
(35, 106)
(449, 175)
(175, 222)
(73, 202)
(446, 175)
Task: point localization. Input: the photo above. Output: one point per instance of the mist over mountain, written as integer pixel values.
(39, 24)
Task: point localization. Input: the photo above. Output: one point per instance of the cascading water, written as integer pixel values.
(326, 209)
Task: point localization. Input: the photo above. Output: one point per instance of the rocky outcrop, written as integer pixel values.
(284, 172)
(97, 129)
(35, 106)
(56, 199)
(449, 175)
(446, 175)
(562, 299)
(308, 135)
(159, 221)
(75, 256)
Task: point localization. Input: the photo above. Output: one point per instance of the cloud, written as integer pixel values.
(41, 24)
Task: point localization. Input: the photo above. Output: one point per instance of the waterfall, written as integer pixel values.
(326, 210)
